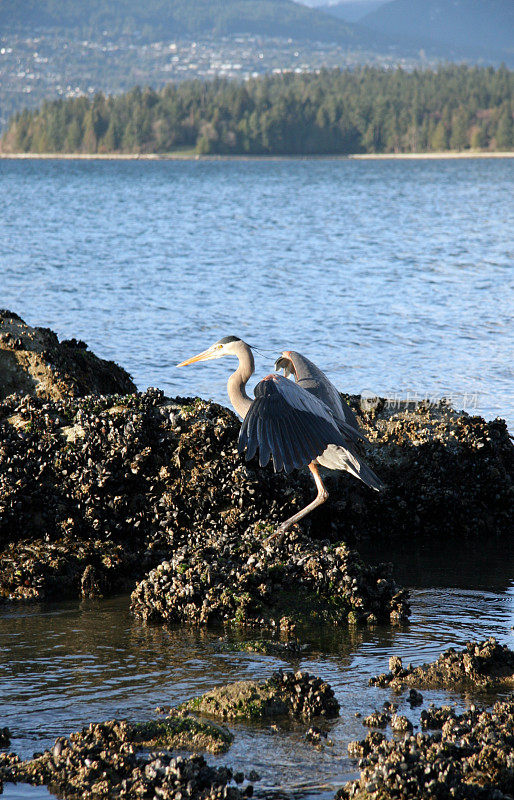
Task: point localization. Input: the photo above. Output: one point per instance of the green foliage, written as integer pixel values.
(159, 19)
(334, 112)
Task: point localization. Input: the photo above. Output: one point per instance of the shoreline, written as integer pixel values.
(189, 156)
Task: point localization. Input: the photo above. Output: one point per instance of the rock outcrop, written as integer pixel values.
(34, 362)
(470, 757)
(95, 491)
(481, 665)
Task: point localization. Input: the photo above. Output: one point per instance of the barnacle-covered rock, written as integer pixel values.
(446, 472)
(231, 579)
(97, 490)
(296, 694)
(105, 761)
(378, 719)
(33, 361)
(471, 757)
(486, 665)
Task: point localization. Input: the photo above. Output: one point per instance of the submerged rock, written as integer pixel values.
(472, 756)
(298, 695)
(270, 647)
(34, 362)
(103, 761)
(5, 737)
(485, 665)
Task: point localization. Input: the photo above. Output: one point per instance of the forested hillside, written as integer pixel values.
(367, 111)
(155, 20)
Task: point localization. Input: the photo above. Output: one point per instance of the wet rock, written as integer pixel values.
(318, 737)
(269, 647)
(471, 757)
(89, 583)
(182, 731)
(415, 698)
(377, 720)
(234, 579)
(298, 695)
(32, 361)
(434, 718)
(5, 737)
(400, 724)
(103, 761)
(486, 665)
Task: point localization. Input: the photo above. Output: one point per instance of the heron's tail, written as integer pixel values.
(345, 458)
(367, 476)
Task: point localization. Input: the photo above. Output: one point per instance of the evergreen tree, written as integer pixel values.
(505, 131)
(366, 110)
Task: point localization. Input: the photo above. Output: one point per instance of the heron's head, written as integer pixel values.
(284, 362)
(228, 346)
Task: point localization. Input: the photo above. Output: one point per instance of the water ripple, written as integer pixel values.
(393, 276)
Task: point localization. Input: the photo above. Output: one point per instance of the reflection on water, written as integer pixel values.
(62, 666)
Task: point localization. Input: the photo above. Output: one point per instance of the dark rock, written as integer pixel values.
(400, 724)
(415, 698)
(487, 665)
(377, 720)
(470, 758)
(104, 761)
(33, 362)
(230, 578)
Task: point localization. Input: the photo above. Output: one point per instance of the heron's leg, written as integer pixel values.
(318, 500)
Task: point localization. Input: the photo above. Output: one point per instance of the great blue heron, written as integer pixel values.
(296, 424)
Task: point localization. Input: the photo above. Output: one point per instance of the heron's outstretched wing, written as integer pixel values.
(313, 380)
(288, 424)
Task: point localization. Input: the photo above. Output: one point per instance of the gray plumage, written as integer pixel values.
(336, 456)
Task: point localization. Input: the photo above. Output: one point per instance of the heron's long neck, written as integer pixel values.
(236, 385)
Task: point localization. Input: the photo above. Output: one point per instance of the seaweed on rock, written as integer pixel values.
(235, 579)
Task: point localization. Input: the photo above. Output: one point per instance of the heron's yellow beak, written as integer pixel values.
(205, 356)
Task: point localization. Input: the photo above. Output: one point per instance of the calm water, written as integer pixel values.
(394, 277)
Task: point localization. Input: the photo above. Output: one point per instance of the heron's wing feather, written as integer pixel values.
(313, 380)
(287, 423)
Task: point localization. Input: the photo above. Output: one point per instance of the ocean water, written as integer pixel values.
(395, 277)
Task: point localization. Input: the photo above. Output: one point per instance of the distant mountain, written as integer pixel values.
(476, 28)
(351, 10)
(156, 20)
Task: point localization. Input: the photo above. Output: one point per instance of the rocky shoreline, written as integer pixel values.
(470, 756)
(97, 491)
(483, 665)
(104, 489)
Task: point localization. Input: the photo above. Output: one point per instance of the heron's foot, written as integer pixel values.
(278, 535)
